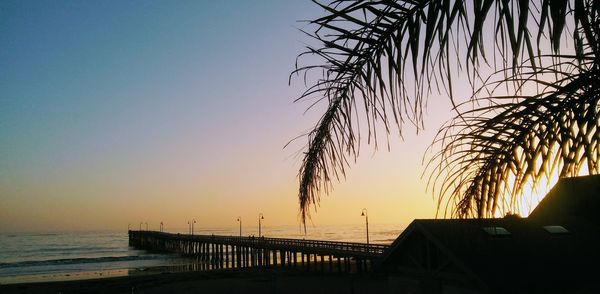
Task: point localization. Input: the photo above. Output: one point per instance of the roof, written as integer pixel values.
(535, 254)
(571, 198)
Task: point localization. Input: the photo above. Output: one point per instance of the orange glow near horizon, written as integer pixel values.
(181, 112)
(533, 194)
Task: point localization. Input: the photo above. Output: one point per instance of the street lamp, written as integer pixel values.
(364, 213)
(146, 226)
(141, 225)
(161, 226)
(260, 216)
(239, 219)
(193, 222)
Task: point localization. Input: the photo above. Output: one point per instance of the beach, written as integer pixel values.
(230, 281)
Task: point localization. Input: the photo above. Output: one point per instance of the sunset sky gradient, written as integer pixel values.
(117, 112)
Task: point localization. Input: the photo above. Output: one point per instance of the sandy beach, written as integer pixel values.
(246, 281)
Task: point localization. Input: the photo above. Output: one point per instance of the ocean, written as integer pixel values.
(36, 257)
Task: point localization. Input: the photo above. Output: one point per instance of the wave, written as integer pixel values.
(81, 260)
(71, 249)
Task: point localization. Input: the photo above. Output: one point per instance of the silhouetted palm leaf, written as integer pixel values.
(490, 154)
(381, 59)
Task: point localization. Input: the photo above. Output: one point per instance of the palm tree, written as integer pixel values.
(534, 109)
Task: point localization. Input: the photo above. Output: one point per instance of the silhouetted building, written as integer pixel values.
(555, 250)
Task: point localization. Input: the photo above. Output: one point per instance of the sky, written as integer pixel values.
(120, 112)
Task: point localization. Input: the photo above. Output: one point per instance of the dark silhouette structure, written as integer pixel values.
(571, 200)
(554, 250)
(223, 252)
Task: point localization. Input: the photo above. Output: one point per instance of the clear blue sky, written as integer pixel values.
(112, 112)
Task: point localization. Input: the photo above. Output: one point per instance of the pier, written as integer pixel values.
(225, 252)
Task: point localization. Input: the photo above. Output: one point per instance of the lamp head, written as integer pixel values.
(362, 214)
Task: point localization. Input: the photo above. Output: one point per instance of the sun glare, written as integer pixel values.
(533, 194)
(534, 191)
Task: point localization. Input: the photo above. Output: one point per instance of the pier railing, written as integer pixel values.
(235, 251)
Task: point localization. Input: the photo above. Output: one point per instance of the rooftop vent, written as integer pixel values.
(496, 231)
(556, 229)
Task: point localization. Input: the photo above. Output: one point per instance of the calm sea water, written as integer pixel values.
(30, 257)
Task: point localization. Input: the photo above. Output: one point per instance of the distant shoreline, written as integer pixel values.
(226, 281)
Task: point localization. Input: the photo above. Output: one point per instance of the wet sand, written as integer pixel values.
(240, 281)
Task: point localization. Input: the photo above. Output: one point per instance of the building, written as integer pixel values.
(554, 250)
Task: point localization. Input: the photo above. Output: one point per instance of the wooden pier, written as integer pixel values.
(223, 252)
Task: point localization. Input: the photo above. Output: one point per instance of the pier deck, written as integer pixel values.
(220, 252)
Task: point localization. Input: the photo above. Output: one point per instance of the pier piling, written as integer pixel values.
(224, 252)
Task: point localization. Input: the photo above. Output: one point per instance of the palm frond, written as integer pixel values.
(379, 61)
(490, 154)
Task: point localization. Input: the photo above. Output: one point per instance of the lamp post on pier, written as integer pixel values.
(161, 226)
(189, 227)
(193, 222)
(260, 216)
(364, 213)
(141, 225)
(146, 226)
(239, 219)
